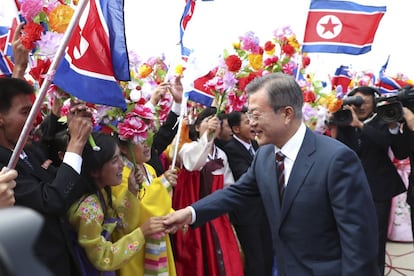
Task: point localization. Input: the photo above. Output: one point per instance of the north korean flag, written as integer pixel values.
(9, 19)
(342, 77)
(96, 56)
(387, 84)
(185, 18)
(341, 27)
(201, 93)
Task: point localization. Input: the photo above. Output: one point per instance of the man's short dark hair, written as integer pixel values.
(11, 87)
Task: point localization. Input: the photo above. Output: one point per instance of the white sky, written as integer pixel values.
(152, 28)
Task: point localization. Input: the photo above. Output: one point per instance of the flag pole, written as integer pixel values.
(43, 89)
(180, 125)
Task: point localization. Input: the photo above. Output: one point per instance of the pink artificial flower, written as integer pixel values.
(288, 68)
(141, 111)
(165, 107)
(235, 102)
(133, 129)
(64, 110)
(30, 8)
(250, 42)
(229, 80)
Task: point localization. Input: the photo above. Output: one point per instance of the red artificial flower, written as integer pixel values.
(288, 50)
(305, 61)
(233, 63)
(106, 129)
(141, 101)
(270, 61)
(309, 97)
(30, 34)
(38, 72)
(269, 46)
(244, 81)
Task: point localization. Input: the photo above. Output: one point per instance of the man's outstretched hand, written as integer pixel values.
(180, 219)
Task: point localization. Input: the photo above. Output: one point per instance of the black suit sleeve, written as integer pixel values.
(166, 133)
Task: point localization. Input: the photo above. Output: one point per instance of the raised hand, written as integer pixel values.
(80, 127)
(20, 54)
(177, 90)
(171, 176)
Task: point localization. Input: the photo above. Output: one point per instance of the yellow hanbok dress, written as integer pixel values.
(89, 221)
(155, 200)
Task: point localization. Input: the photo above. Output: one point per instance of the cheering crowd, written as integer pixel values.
(253, 191)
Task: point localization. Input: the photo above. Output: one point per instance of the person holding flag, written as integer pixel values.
(47, 190)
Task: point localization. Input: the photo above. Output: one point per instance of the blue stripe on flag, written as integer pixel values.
(106, 92)
(329, 48)
(345, 6)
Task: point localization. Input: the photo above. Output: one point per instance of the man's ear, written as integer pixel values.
(1, 120)
(235, 129)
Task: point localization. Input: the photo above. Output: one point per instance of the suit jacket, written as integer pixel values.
(238, 156)
(326, 224)
(50, 192)
(162, 139)
(372, 145)
(250, 221)
(239, 161)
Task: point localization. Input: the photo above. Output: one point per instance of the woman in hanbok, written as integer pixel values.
(213, 248)
(154, 193)
(96, 219)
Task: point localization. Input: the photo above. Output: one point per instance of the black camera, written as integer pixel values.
(390, 108)
(343, 117)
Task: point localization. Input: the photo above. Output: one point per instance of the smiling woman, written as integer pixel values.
(216, 24)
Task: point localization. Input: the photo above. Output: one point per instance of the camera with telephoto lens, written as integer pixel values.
(343, 117)
(390, 108)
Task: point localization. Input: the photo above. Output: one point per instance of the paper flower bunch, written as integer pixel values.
(145, 77)
(249, 59)
(135, 125)
(46, 21)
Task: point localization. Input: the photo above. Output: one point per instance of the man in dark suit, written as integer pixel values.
(371, 138)
(321, 216)
(225, 133)
(167, 131)
(41, 187)
(250, 222)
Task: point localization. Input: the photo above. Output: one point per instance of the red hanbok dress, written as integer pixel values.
(213, 248)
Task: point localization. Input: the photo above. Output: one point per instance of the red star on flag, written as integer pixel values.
(329, 26)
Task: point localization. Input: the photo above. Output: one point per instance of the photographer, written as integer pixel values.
(370, 137)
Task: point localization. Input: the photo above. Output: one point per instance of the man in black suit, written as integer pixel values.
(371, 138)
(167, 131)
(47, 190)
(225, 133)
(317, 199)
(249, 222)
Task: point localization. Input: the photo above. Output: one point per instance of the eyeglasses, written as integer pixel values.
(254, 116)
